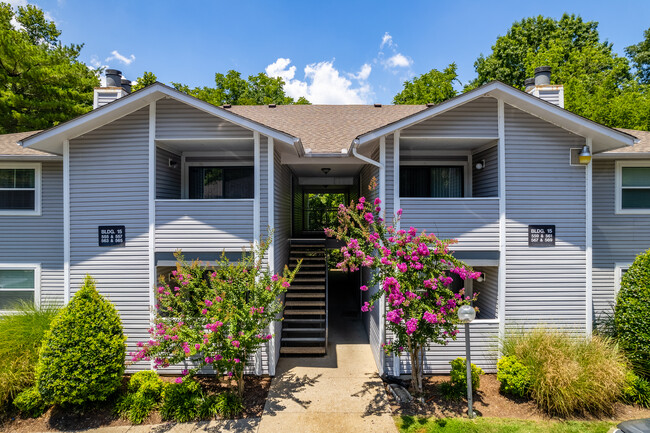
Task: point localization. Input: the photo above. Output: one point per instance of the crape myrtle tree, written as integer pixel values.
(414, 273)
(215, 316)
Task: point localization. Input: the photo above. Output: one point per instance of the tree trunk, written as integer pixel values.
(416, 368)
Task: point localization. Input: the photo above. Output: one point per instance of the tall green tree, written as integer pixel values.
(640, 56)
(232, 89)
(432, 87)
(42, 81)
(147, 79)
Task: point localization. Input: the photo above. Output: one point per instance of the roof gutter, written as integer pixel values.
(355, 145)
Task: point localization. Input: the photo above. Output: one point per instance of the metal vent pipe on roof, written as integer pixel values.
(529, 83)
(113, 78)
(543, 76)
(126, 85)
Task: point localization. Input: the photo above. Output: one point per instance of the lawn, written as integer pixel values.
(410, 424)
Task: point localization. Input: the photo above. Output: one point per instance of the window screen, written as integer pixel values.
(431, 181)
(220, 182)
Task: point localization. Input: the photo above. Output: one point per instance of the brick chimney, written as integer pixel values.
(541, 87)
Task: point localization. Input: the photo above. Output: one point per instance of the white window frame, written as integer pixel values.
(37, 167)
(618, 274)
(36, 267)
(467, 175)
(619, 186)
(186, 174)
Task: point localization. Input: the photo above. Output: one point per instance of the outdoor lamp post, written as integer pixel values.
(466, 314)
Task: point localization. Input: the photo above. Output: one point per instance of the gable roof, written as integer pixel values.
(326, 128)
(9, 147)
(642, 147)
(603, 137)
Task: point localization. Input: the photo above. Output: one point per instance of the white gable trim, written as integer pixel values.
(51, 140)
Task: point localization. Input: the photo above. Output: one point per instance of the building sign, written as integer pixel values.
(110, 236)
(541, 236)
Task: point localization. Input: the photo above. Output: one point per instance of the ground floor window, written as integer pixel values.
(221, 182)
(633, 186)
(20, 185)
(619, 270)
(18, 283)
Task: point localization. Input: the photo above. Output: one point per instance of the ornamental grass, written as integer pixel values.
(569, 374)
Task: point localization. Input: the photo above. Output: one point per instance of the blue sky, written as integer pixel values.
(330, 51)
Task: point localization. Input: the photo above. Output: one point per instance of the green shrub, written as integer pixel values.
(569, 373)
(144, 395)
(30, 403)
(228, 405)
(514, 376)
(457, 385)
(632, 314)
(637, 390)
(21, 336)
(82, 358)
(182, 401)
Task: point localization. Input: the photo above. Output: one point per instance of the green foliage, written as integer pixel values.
(42, 81)
(432, 87)
(21, 336)
(637, 390)
(569, 373)
(82, 357)
(640, 56)
(147, 79)
(228, 405)
(232, 89)
(514, 376)
(144, 394)
(632, 314)
(30, 403)
(597, 82)
(457, 385)
(185, 401)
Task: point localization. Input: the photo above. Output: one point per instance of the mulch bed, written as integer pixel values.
(489, 402)
(256, 389)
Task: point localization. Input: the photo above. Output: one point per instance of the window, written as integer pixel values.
(432, 181)
(633, 187)
(18, 282)
(220, 182)
(20, 189)
(619, 270)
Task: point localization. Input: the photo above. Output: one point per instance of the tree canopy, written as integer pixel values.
(432, 87)
(42, 81)
(232, 89)
(147, 79)
(640, 56)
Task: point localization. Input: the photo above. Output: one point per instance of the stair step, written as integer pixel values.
(299, 279)
(303, 330)
(304, 312)
(310, 265)
(304, 339)
(303, 321)
(311, 259)
(300, 287)
(305, 295)
(310, 273)
(302, 350)
(304, 304)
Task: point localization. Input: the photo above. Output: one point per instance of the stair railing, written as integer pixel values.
(327, 315)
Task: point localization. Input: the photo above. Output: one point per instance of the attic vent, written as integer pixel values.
(271, 105)
(227, 106)
(377, 105)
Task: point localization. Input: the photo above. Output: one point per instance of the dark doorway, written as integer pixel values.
(316, 207)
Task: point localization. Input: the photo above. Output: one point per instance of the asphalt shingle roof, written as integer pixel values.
(643, 146)
(9, 145)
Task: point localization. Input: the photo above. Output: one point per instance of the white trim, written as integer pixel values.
(36, 267)
(396, 164)
(152, 210)
(618, 274)
(501, 291)
(66, 221)
(449, 198)
(257, 187)
(619, 186)
(205, 200)
(38, 188)
(382, 173)
(588, 244)
(270, 166)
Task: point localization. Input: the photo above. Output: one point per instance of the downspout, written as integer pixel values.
(382, 196)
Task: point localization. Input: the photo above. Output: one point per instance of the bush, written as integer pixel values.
(569, 373)
(144, 394)
(30, 403)
(228, 405)
(21, 336)
(514, 376)
(82, 358)
(457, 385)
(632, 314)
(182, 401)
(637, 390)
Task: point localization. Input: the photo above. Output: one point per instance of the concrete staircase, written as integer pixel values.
(304, 326)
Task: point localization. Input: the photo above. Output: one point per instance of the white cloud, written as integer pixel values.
(115, 55)
(399, 61)
(323, 83)
(387, 39)
(363, 73)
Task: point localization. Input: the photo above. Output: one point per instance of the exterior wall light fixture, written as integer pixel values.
(325, 170)
(480, 165)
(585, 155)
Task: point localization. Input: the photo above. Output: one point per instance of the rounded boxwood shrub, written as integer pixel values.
(514, 376)
(632, 314)
(82, 357)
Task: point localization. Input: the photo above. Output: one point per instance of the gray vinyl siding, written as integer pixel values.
(298, 208)
(485, 182)
(39, 239)
(389, 205)
(616, 238)
(168, 179)
(475, 119)
(204, 225)
(109, 186)
(177, 120)
(544, 285)
(488, 292)
(473, 221)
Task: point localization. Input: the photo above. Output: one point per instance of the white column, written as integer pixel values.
(502, 217)
(258, 187)
(588, 243)
(152, 208)
(66, 221)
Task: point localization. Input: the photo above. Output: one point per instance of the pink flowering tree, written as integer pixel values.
(414, 271)
(214, 317)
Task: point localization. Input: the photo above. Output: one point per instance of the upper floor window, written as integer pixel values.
(18, 283)
(633, 187)
(20, 188)
(220, 182)
(442, 181)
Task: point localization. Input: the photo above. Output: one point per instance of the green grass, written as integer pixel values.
(409, 424)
